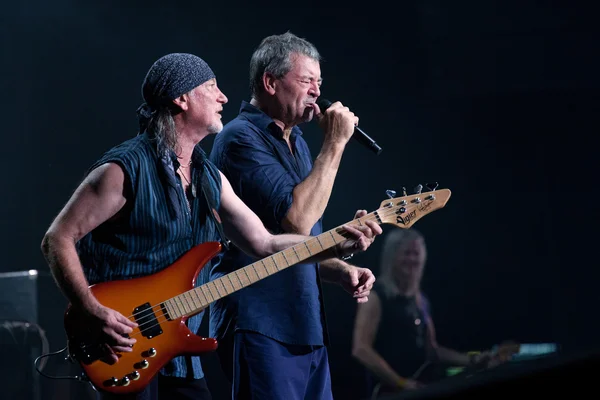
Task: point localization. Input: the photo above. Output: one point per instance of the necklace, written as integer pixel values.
(184, 177)
(189, 164)
(190, 185)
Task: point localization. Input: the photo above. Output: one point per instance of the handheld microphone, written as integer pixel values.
(359, 134)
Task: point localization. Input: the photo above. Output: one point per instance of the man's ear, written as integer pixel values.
(182, 101)
(269, 83)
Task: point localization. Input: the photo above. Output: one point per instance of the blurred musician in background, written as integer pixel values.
(394, 335)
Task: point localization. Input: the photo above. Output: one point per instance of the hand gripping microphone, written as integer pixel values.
(359, 135)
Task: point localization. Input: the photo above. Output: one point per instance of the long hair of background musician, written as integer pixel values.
(394, 241)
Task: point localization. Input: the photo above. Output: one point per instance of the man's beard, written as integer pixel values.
(215, 128)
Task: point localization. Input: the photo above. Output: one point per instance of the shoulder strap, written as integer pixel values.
(205, 185)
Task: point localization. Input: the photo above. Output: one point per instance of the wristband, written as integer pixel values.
(336, 254)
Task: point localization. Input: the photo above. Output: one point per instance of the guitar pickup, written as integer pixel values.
(147, 322)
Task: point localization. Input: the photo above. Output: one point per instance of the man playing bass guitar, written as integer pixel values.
(148, 201)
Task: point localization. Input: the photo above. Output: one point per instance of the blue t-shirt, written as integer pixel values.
(156, 227)
(286, 306)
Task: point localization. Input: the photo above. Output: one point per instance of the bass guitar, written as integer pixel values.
(161, 303)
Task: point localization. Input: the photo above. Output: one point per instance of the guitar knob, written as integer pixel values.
(418, 189)
(113, 381)
(135, 375)
(125, 381)
(404, 191)
(151, 352)
(142, 364)
(390, 193)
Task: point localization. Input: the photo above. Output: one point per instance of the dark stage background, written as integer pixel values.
(497, 101)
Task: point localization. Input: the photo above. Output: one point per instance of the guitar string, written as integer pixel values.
(159, 306)
(166, 318)
(368, 217)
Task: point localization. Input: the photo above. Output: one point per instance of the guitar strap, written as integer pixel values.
(206, 187)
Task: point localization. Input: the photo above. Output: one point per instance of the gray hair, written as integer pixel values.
(393, 242)
(274, 55)
(161, 128)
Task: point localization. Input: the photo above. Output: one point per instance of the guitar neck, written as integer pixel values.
(402, 212)
(195, 300)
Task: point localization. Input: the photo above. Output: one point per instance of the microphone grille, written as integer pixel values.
(323, 104)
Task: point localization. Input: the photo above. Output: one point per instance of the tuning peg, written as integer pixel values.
(404, 191)
(390, 193)
(432, 186)
(418, 189)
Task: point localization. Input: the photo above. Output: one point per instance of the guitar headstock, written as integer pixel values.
(406, 210)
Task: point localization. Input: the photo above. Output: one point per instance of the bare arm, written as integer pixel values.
(366, 324)
(450, 356)
(311, 196)
(98, 198)
(332, 269)
(441, 353)
(248, 232)
(355, 280)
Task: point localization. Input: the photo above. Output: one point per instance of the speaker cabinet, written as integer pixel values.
(31, 324)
